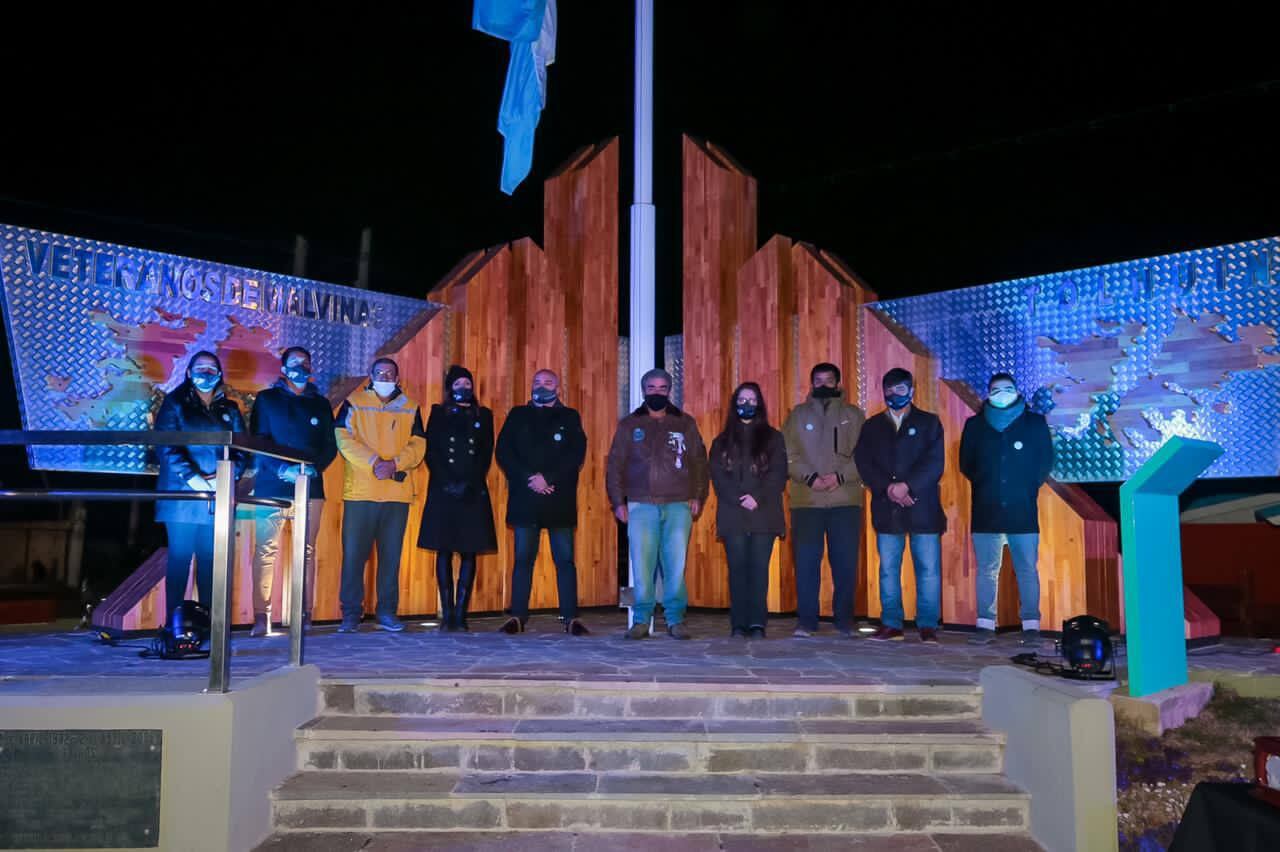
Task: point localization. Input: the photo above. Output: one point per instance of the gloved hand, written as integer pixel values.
(289, 473)
(199, 483)
(458, 489)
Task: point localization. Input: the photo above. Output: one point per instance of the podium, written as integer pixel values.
(1150, 539)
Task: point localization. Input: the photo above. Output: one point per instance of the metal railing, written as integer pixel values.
(224, 513)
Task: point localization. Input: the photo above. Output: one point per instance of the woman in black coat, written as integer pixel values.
(196, 405)
(458, 517)
(749, 471)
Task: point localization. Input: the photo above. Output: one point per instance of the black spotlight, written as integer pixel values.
(1086, 647)
(186, 632)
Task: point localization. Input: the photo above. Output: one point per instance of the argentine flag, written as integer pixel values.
(530, 27)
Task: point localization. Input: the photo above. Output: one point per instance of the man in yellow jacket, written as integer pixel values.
(381, 438)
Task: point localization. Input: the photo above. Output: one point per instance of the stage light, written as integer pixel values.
(186, 631)
(1086, 647)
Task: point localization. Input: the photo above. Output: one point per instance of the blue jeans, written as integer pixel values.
(926, 556)
(837, 528)
(988, 549)
(186, 541)
(527, 541)
(659, 531)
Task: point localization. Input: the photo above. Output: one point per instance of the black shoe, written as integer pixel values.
(756, 632)
(576, 628)
(678, 631)
(737, 633)
(512, 626)
(639, 630)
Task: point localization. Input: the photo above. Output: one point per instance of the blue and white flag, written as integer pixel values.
(530, 27)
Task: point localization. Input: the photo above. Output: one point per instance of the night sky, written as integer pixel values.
(931, 147)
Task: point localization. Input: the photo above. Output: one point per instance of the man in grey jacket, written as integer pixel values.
(826, 497)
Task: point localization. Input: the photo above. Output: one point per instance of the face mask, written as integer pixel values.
(462, 395)
(746, 412)
(1003, 398)
(898, 401)
(297, 375)
(384, 388)
(824, 392)
(655, 401)
(543, 396)
(205, 382)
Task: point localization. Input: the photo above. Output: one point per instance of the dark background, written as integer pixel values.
(930, 146)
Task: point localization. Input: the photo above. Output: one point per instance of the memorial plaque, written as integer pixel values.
(80, 789)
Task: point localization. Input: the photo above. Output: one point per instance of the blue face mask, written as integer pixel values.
(462, 395)
(746, 411)
(205, 382)
(297, 375)
(899, 401)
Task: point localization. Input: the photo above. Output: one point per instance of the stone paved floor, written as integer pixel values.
(56, 661)
(622, 842)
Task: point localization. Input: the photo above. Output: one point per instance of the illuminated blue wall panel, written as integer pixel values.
(1122, 357)
(100, 332)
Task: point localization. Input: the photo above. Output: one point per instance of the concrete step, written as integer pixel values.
(594, 802)
(442, 744)
(647, 700)
(619, 841)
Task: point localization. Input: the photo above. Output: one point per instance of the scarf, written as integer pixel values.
(1001, 418)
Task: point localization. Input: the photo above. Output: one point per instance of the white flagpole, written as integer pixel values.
(642, 220)
(642, 212)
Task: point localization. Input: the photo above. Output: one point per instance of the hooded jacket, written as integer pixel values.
(302, 422)
(184, 411)
(368, 430)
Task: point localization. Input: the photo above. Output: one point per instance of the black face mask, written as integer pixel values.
(655, 401)
(542, 396)
(747, 412)
(824, 392)
(898, 401)
(462, 395)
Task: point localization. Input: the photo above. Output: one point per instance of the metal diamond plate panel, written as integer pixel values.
(673, 363)
(1123, 356)
(100, 332)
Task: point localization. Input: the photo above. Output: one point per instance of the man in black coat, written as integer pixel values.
(293, 414)
(900, 455)
(1006, 452)
(541, 448)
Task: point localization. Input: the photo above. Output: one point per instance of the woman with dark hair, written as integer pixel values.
(749, 471)
(197, 405)
(458, 517)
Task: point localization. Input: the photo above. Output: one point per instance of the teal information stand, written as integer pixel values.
(1155, 630)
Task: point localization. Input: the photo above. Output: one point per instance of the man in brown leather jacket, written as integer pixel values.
(657, 479)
